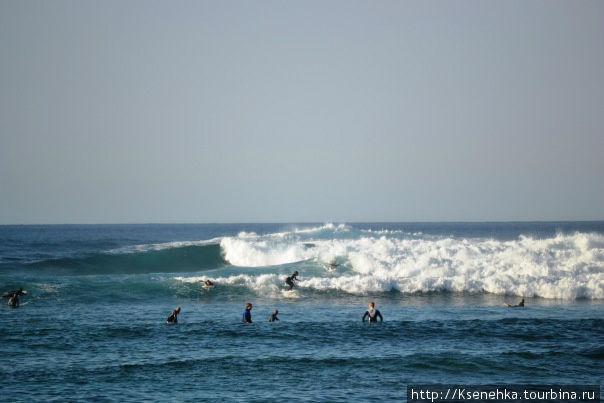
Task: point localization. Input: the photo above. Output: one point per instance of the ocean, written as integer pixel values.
(92, 326)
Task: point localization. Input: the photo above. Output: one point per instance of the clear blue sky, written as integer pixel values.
(246, 111)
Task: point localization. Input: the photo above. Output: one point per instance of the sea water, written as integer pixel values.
(92, 325)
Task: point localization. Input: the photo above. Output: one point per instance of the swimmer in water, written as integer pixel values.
(273, 317)
(247, 314)
(208, 283)
(291, 279)
(13, 301)
(13, 297)
(372, 313)
(520, 304)
(173, 318)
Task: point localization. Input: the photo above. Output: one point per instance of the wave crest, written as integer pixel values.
(565, 266)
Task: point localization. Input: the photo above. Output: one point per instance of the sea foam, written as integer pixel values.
(565, 266)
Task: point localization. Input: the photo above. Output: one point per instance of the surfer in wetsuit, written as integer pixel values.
(290, 280)
(13, 297)
(332, 266)
(208, 283)
(173, 318)
(372, 313)
(273, 316)
(520, 304)
(13, 301)
(247, 314)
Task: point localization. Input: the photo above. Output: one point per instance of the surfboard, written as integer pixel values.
(290, 294)
(332, 267)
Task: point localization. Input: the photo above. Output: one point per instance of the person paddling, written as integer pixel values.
(13, 297)
(519, 305)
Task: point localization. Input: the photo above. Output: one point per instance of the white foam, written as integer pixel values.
(328, 226)
(268, 285)
(565, 266)
(262, 252)
(389, 232)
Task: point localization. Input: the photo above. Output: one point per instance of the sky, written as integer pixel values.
(301, 111)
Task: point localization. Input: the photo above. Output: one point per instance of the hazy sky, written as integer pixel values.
(243, 111)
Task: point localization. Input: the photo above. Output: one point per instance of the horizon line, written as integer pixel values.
(316, 222)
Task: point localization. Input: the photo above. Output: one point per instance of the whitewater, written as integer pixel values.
(564, 266)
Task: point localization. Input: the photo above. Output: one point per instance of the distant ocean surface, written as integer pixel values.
(92, 325)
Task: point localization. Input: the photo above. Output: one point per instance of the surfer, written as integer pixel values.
(247, 313)
(332, 266)
(13, 301)
(173, 318)
(519, 305)
(372, 313)
(13, 297)
(208, 283)
(290, 280)
(273, 316)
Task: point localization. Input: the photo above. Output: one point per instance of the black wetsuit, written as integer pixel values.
(273, 317)
(373, 318)
(520, 305)
(290, 281)
(13, 297)
(173, 318)
(13, 301)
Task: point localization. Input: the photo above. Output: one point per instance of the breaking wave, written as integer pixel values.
(344, 259)
(565, 266)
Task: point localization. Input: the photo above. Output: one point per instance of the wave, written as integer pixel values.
(149, 259)
(161, 246)
(338, 258)
(564, 266)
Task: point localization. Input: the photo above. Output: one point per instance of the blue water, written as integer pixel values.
(92, 326)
